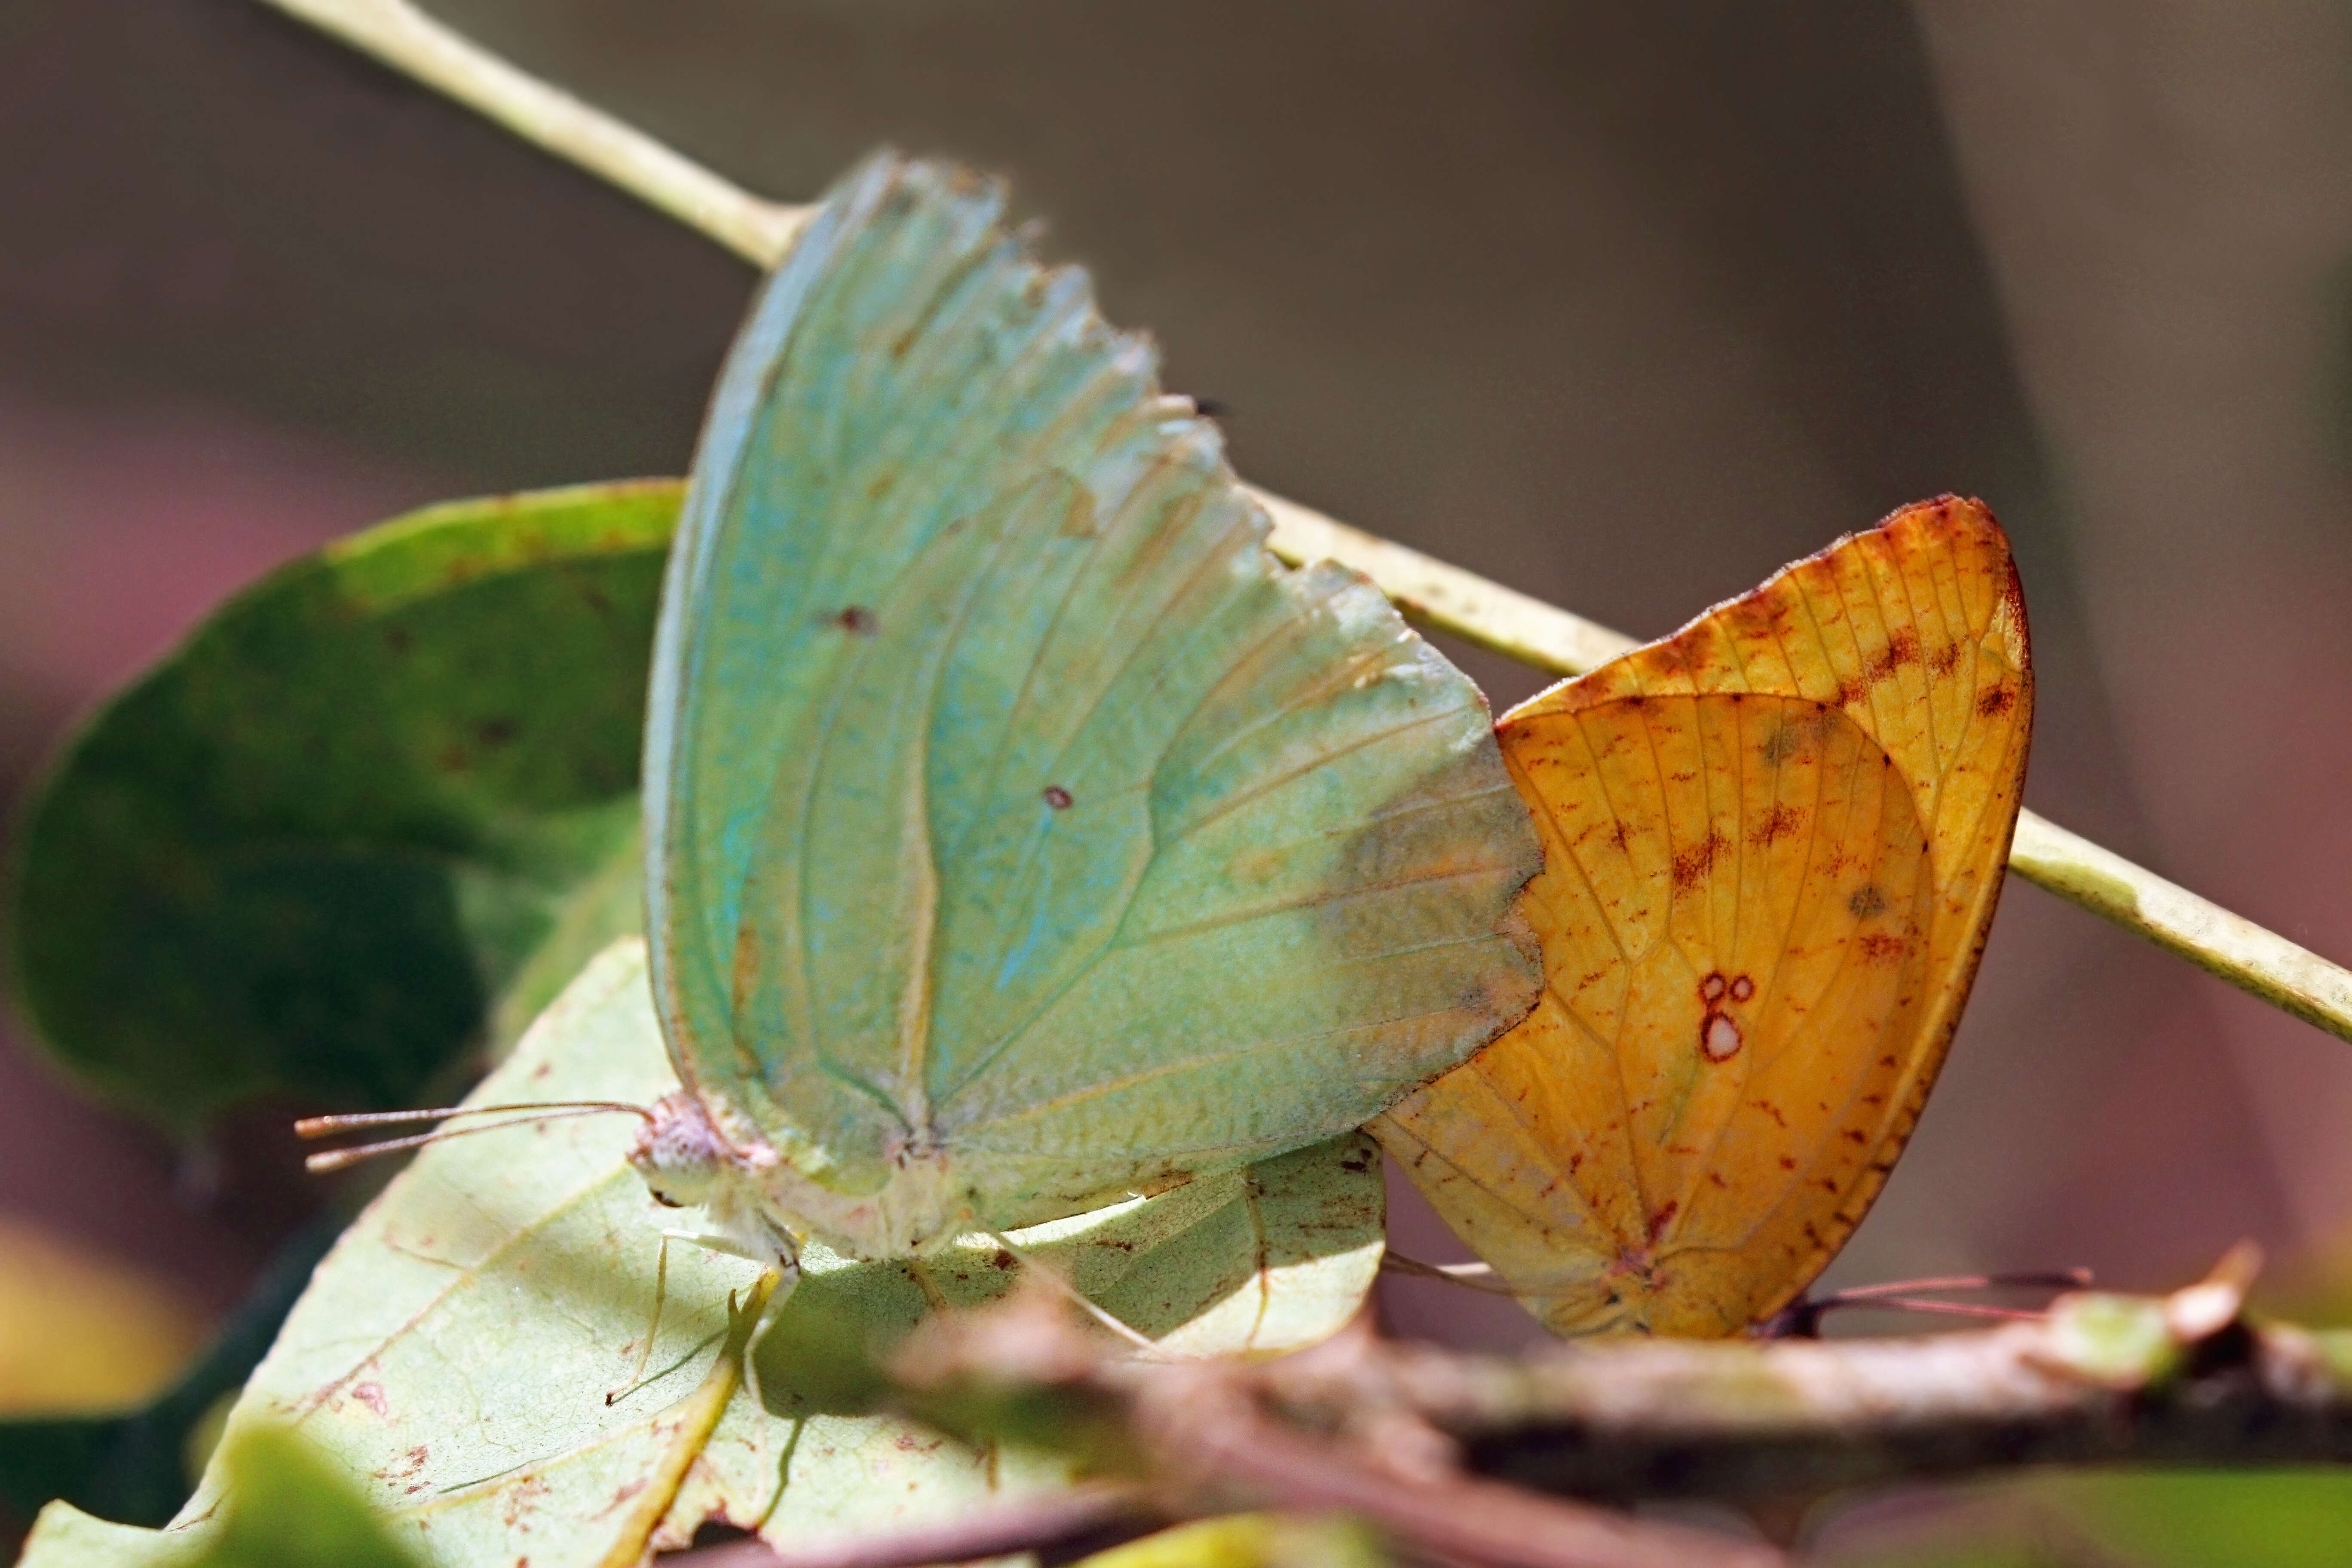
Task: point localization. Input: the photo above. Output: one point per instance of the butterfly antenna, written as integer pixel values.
(2045, 1279)
(1052, 1276)
(1801, 1318)
(1478, 1277)
(539, 1110)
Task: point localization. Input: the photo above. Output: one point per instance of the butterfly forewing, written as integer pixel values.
(1013, 803)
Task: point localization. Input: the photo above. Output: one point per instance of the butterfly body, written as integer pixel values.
(1020, 834)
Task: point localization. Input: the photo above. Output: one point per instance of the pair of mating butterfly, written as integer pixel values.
(1021, 834)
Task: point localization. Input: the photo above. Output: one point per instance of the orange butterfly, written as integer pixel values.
(1772, 845)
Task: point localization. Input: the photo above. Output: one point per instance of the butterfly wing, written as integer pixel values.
(1909, 645)
(1915, 630)
(1005, 799)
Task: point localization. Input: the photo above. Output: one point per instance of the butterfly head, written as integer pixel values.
(681, 1155)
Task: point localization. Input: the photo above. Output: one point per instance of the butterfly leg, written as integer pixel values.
(1054, 1278)
(661, 1295)
(788, 1266)
(782, 1256)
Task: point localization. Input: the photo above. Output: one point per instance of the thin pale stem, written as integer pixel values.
(1441, 597)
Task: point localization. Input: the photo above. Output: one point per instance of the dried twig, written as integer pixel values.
(2178, 1379)
(1210, 1440)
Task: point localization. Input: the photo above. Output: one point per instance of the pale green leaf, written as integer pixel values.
(457, 1347)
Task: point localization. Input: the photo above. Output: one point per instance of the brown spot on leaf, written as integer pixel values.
(1997, 702)
(1882, 947)
(372, 1395)
(1776, 824)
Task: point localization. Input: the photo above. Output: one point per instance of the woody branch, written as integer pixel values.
(2187, 1378)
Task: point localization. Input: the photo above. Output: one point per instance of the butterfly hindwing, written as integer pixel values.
(1733, 914)
(1005, 796)
(1898, 655)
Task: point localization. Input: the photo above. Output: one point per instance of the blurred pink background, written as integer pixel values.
(1622, 310)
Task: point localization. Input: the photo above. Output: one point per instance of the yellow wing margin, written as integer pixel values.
(1595, 1155)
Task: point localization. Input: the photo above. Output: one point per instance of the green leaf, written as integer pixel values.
(1251, 1540)
(305, 852)
(289, 1507)
(458, 1344)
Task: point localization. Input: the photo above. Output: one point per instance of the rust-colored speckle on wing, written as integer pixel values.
(1795, 809)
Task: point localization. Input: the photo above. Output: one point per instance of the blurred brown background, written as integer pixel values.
(1623, 309)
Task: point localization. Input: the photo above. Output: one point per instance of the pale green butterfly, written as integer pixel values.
(1020, 834)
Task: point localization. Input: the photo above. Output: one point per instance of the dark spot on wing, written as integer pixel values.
(859, 620)
(1997, 702)
(1694, 863)
(1867, 902)
(1902, 648)
(1057, 797)
(1776, 824)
